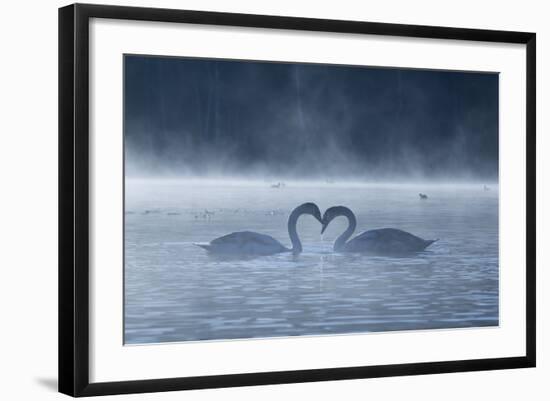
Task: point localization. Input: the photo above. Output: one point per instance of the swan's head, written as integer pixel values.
(313, 209)
(327, 218)
(331, 213)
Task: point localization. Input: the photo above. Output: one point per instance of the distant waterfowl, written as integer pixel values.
(252, 243)
(151, 211)
(486, 188)
(423, 196)
(384, 241)
(274, 213)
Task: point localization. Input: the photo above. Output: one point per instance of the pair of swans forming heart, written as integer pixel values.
(384, 241)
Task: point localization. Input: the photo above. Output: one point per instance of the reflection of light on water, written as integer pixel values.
(321, 271)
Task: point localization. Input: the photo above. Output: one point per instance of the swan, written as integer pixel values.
(384, 241)
(252, 243)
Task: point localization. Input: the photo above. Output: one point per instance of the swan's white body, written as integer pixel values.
(384, 241)
(245, 243)
(256, 244)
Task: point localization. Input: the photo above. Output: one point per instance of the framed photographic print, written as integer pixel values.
(249, 199)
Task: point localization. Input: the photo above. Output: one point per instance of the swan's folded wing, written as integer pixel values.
(387, 241)
(242, 237)
(247, 242)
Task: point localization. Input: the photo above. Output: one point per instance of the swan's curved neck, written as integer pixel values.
(292, 222)
(352, 224)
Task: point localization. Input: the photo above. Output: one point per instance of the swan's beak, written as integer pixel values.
(324, 228)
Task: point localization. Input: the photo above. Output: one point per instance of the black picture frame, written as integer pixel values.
(74, 198)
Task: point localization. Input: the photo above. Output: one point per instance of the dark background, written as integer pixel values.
(205, 117)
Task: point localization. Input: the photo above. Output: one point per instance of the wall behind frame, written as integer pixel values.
(28, 205)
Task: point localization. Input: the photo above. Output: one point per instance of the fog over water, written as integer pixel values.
(214, 147)
(197, 117)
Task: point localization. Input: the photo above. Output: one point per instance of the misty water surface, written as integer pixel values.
(174, 291)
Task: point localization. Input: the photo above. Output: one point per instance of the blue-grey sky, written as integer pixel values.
(208, 117)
